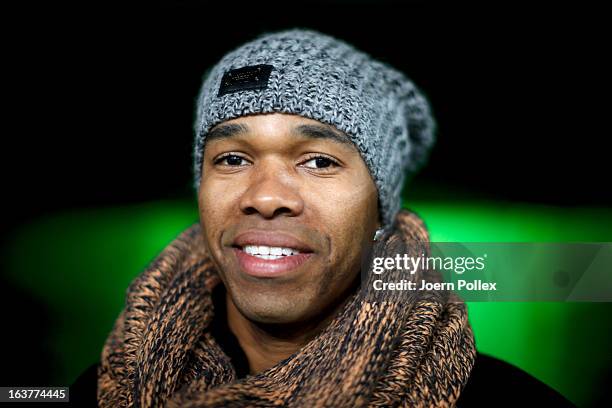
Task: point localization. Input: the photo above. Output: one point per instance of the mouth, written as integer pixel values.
(267, 255)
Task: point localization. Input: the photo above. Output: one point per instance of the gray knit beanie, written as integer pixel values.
(307, 73)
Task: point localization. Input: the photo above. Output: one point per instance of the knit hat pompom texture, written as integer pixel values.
(320, 77)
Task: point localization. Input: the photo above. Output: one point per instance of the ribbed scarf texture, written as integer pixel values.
(382, 349)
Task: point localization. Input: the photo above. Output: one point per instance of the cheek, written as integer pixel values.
(216, 199)
(344, 204)
(348, 213)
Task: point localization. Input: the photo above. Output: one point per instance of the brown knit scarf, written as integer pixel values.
(381, 350)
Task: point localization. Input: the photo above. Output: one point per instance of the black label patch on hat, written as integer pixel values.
(245, 79)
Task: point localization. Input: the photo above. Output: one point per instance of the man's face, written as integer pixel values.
(287, 206)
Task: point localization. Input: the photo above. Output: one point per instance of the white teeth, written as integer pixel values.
(268, 256)
(266, 252)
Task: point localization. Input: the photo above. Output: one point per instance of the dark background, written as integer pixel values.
(99, 105)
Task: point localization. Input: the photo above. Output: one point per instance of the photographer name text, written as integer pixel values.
(461, 284)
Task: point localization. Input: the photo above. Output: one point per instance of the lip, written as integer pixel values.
(270, 238)
(270, 268)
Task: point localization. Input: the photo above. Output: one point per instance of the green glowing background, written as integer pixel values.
(79, 263)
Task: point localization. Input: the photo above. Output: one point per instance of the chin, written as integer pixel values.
(271, 308)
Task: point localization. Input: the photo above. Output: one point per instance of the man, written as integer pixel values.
(302, 147)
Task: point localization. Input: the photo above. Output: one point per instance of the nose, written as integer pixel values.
(273, 191)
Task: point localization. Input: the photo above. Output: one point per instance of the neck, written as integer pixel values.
(265, 345)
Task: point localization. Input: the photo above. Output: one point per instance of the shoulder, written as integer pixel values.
(494, 382)
(83, 392)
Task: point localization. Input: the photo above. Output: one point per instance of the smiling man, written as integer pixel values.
(302, 145)
(279, 197)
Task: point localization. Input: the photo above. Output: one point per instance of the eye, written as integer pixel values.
(320, 162)
(231, 160)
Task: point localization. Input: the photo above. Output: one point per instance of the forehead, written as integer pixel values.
(278, 125)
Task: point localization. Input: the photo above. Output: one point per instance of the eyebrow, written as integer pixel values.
(322, 132)
(311, 131)
(225, 131)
